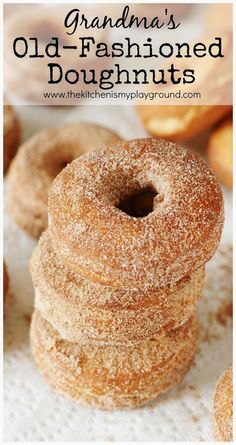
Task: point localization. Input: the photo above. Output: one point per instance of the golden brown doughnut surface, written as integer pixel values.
(220, 152)
(37, 163)
(223, 407)
(11, 135)
(180, 122)
(83, 311)
(96, 239)
(111, 377)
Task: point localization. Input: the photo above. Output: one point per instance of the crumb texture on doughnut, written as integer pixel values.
(96, 239)
(220, 152)
(112, 377)
(37, 163)
(223, 407)
(83, 311)
(11, 135)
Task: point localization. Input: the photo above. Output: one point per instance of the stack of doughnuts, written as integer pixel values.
(119, 270)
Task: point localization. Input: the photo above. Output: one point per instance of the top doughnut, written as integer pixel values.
(103, 243)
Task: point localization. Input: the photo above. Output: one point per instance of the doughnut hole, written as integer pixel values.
(55, 162)
(56, 168)
(140, 203)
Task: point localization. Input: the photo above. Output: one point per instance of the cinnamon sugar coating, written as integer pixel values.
(83, 311)
(96, 239)
(11, 135)
(223, 407)
(37, 163)
(110, 377)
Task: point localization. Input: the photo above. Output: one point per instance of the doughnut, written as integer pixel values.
(27, 78)
(83, 311)
(110, 377)
(223, 407)
(5, 282)
(95, 236)
(180, 122)
(11, 135)
(39, 160)
(220, 152)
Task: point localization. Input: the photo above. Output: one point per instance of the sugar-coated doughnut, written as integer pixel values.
(37, 163)
(98, 240)
(11, 135)
(5, 281)
(83, 311)
(180, 122)
(223, 407)
(109, 376)
(220, 152)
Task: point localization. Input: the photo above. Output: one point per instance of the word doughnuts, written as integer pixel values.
(220, 152)
(95, 235)
(11, 135)
(110, 376)
(83, 311)
(37, 163)
(223, 407)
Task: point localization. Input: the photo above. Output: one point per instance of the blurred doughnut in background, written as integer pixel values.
(11, 135)
(181, 120)
(220, 151)
(5, 282)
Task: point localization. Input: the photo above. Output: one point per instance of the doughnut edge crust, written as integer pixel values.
(110, 377)
(85, 311)
(97, 240)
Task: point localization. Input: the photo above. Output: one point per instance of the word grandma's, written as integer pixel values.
(89, 48)
(75, 19)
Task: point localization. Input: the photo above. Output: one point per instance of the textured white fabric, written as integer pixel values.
(33, 412)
